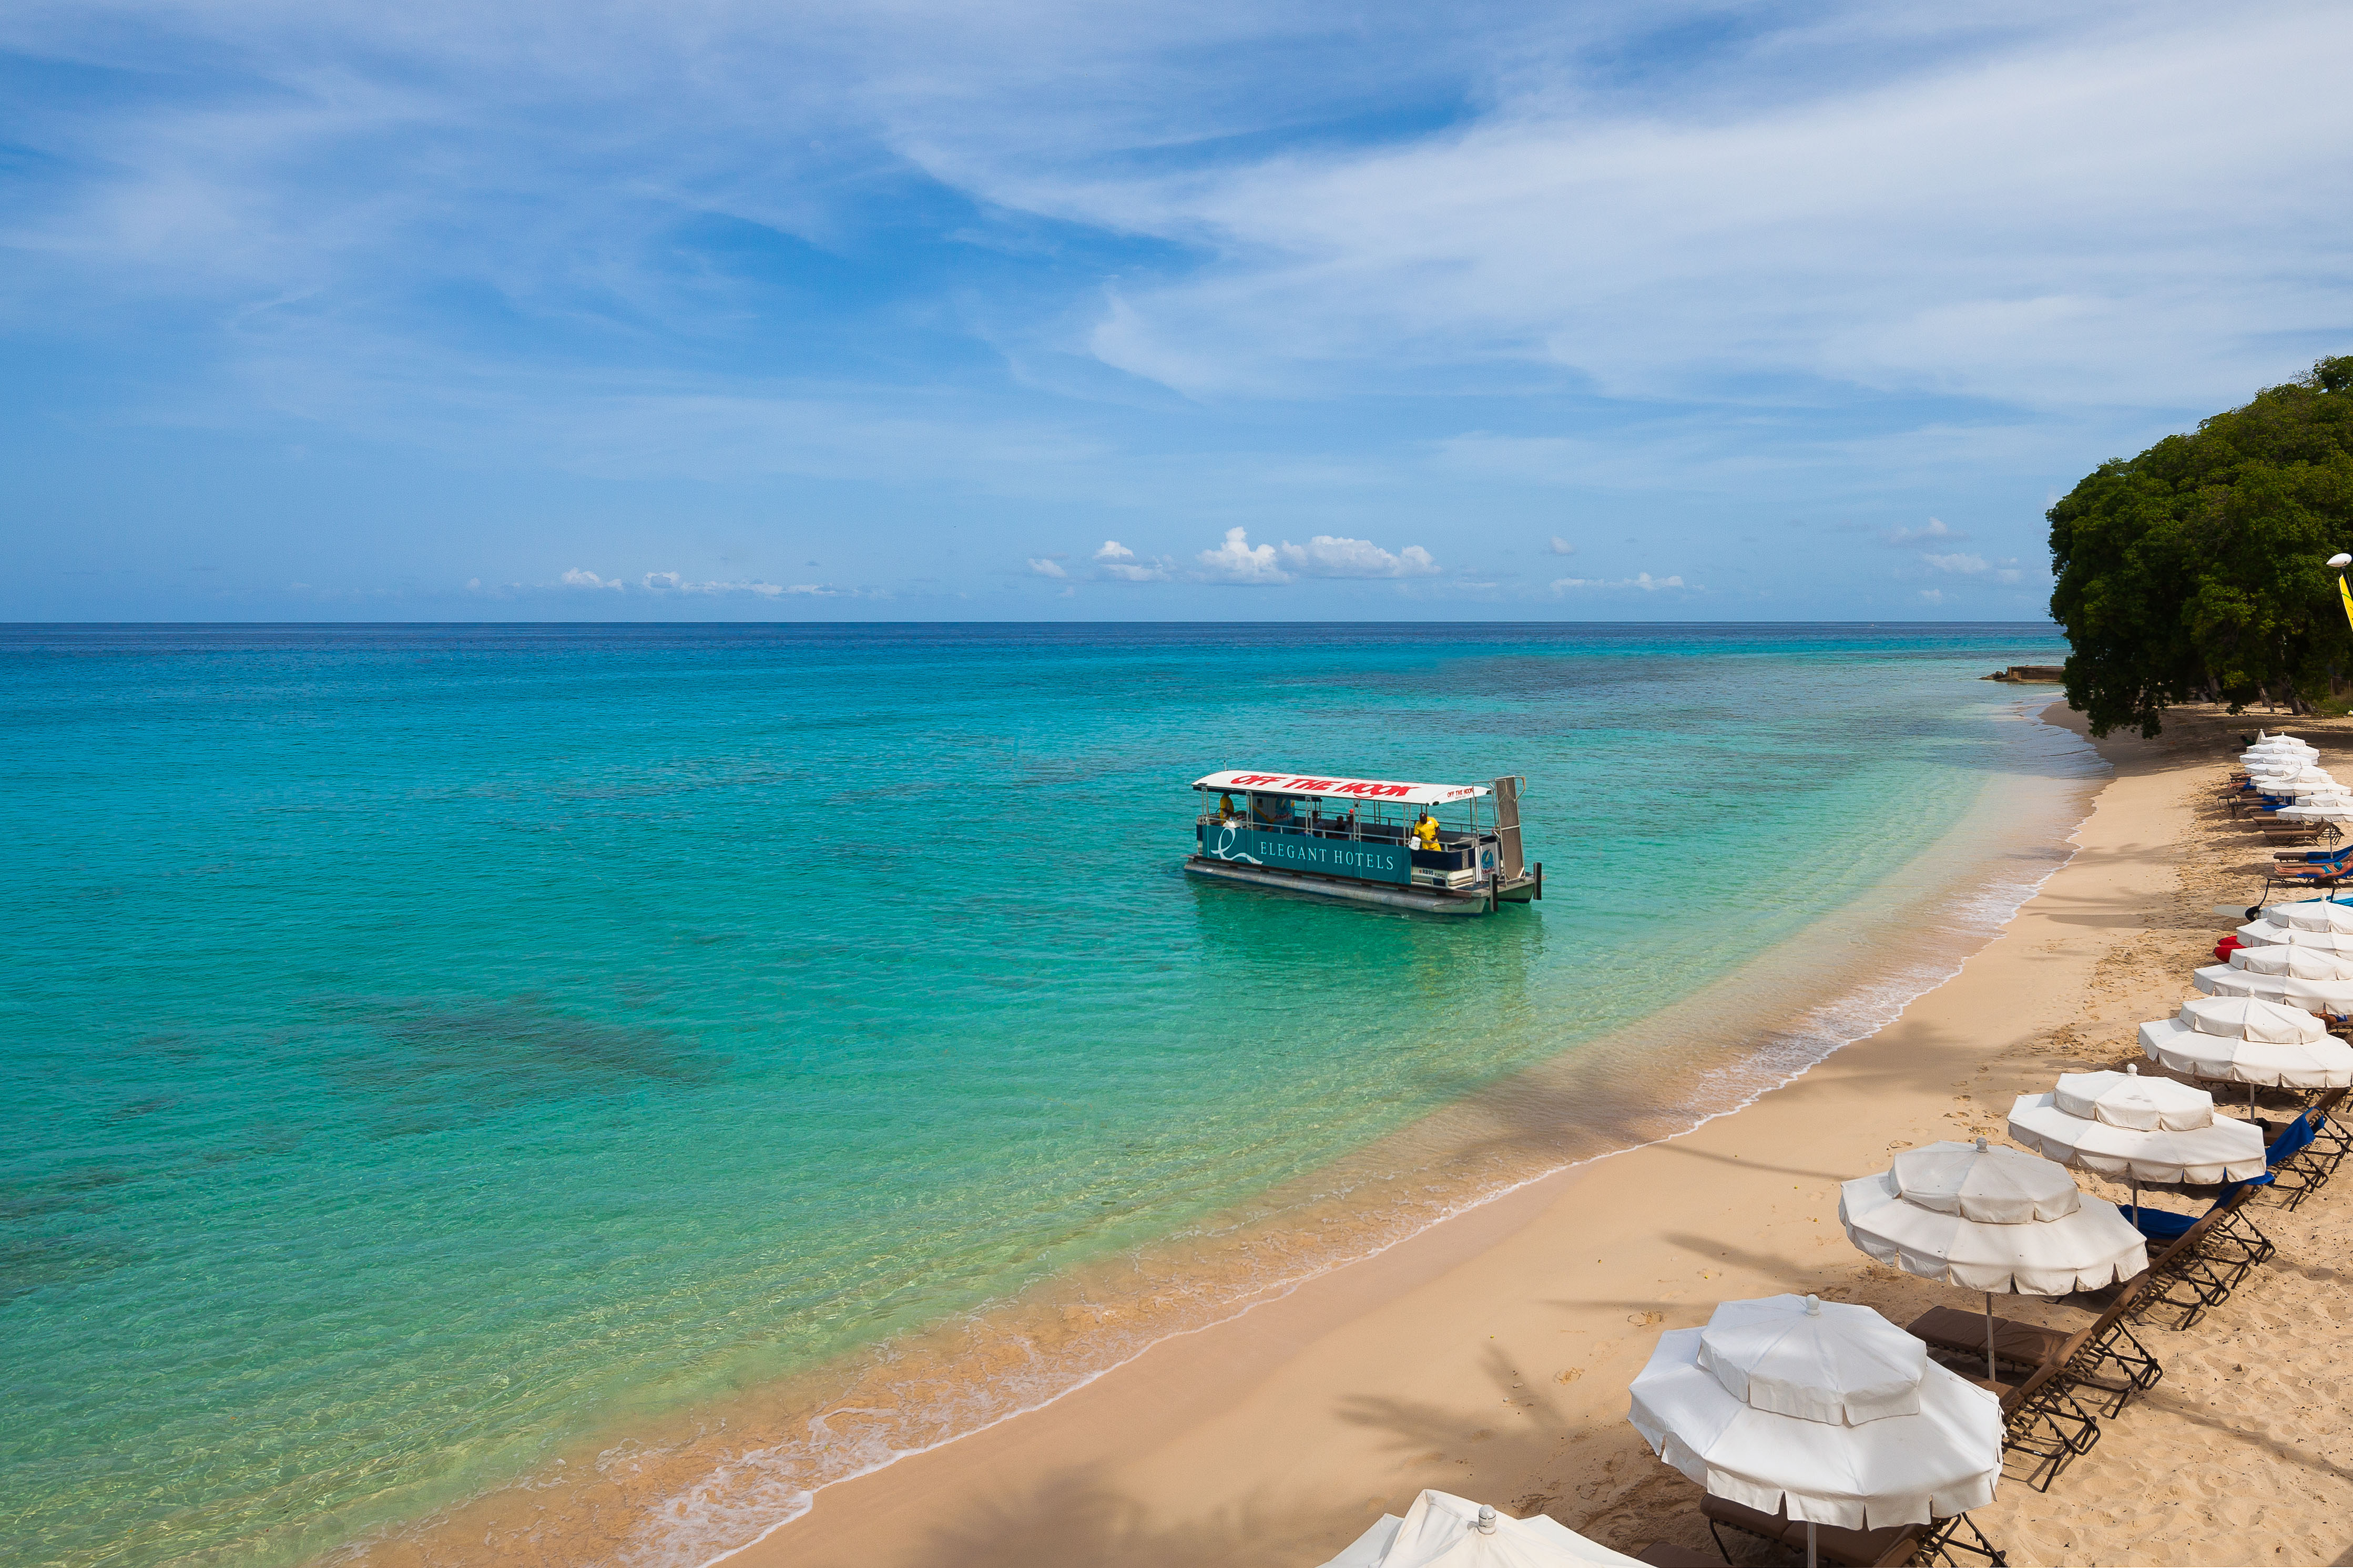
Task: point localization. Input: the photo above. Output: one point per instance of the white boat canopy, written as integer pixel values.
(1335, 788)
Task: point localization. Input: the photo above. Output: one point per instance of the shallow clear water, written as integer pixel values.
(427, 1046)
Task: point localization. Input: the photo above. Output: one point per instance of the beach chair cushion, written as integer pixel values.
(2160, 1225)
(2294, 1140)
(1964, 1333)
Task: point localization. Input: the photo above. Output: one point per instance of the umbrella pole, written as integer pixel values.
(1989, 1372)
(1810, 1561)
(2135, 1182)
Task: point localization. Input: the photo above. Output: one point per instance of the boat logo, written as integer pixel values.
(1224, 850)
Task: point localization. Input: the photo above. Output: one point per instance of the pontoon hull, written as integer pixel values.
(1425, 903)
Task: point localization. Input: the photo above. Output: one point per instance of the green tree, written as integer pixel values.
(2197, 569)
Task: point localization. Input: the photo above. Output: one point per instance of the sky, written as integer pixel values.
(904, 310)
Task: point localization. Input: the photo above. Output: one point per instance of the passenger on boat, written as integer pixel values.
(1225, 808)
(1273, 810)
(1425, 832)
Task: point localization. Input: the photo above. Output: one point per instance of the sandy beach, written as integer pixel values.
(1489, 1355)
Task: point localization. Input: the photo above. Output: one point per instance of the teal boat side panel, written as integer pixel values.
(1247, 846)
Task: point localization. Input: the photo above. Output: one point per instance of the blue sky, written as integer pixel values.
(443, 311)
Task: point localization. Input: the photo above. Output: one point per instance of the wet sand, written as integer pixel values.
(1489, 1354)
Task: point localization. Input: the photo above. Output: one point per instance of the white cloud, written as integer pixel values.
(674, 582)
(1641, 580)
(1046, 567)
(575, 578)
(1933, 596)
(1237, 561)
(1933, 531)
(2106, 207)
(1561, 546)
(1960, 565)
(1116, 562)
(1328, 556)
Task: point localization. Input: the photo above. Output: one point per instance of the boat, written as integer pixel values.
(1446, 849)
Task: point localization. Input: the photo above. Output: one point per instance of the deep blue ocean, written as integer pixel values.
(429, 1047)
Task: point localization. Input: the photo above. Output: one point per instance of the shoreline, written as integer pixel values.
(1841, 979)
(1486, 1354)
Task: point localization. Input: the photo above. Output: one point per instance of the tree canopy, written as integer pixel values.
(2197, 569)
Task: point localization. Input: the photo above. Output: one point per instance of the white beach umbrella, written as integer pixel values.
(2242, 1040)
(2319, 811)
(1824, 1409)
(2140, 1128)
(2301, 959)
(2311, 914)
(1442, 1531)
(2331, 996)
(1992, 1220)
(2262, 934)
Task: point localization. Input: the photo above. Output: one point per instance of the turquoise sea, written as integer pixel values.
(430, 1049)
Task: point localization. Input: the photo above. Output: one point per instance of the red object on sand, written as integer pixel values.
(2226, 947)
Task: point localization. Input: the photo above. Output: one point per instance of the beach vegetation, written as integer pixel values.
(2197, 571)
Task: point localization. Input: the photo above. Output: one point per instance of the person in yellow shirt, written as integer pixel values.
(1225, 808)
(1425, 833)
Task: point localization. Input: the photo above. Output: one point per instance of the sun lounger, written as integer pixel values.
(2329, 1140)
(1886, 1548)
(2044, 1427)
(2205, 1255)
(2300, 1160)
(2102, 1358)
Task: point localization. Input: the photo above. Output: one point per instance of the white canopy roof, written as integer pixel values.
(2331, 996)
(2127, 1099)
(1990, 1219)
(2321, 1063)
(2262, 934)
(2220, 1149)
(2247, 1018)
(2301, 959)
(1879, 1434)
(2312, 914)
(1441, 1531)
(1333, 786)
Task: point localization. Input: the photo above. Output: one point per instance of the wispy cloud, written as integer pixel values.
(1561, 546)
(668, 583)
(1641, 580)
(1116, 562)
(856, 271)
(1046, 566)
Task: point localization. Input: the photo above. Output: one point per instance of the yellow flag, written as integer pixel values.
(2347, 595)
